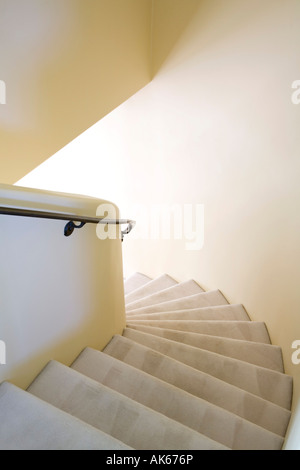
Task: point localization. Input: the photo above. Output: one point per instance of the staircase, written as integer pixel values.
(190, 371)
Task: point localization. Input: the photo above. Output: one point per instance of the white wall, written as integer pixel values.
(58, 294)
(216, 127)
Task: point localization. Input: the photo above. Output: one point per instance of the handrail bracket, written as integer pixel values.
(70, 226)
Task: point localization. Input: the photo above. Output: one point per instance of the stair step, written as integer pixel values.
(134, 424)
(204, 299)
(198, 414)
(158, 284)
(264, 355)
(266, 383)
(135, 281)
(248, 331)
(191, 371)
(28, 423)
(236, 400)
(179, 291)
(222, 312)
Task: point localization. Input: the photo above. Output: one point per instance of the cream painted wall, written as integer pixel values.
(58, 294)
(217, 127)
(66, 64)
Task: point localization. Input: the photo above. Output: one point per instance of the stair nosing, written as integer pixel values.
(165, 385)
(221, 339)
(165, 291)
(198, 372)
(235, 362)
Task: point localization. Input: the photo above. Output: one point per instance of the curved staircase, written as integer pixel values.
(190, 371)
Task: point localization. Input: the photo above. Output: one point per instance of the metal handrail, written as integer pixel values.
(70, 226)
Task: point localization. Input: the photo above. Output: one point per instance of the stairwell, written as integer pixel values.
(189, 372)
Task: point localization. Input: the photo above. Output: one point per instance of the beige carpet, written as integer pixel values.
(190, 372)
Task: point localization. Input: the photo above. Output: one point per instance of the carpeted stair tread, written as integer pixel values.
(135, 281)
(125, 419)
(179, 291)
(190, 371)
(248, 331)
(236, 400)
(264, 355)
(160, 283)
(198, 414)
(222, 312)
(204, 299)
(28, 423)
(266, 383)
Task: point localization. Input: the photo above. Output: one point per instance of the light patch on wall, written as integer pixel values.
(30, 26)
(99, 144)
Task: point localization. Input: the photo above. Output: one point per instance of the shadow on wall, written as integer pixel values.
(200, 23)
(66, 64)
(170, 19)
